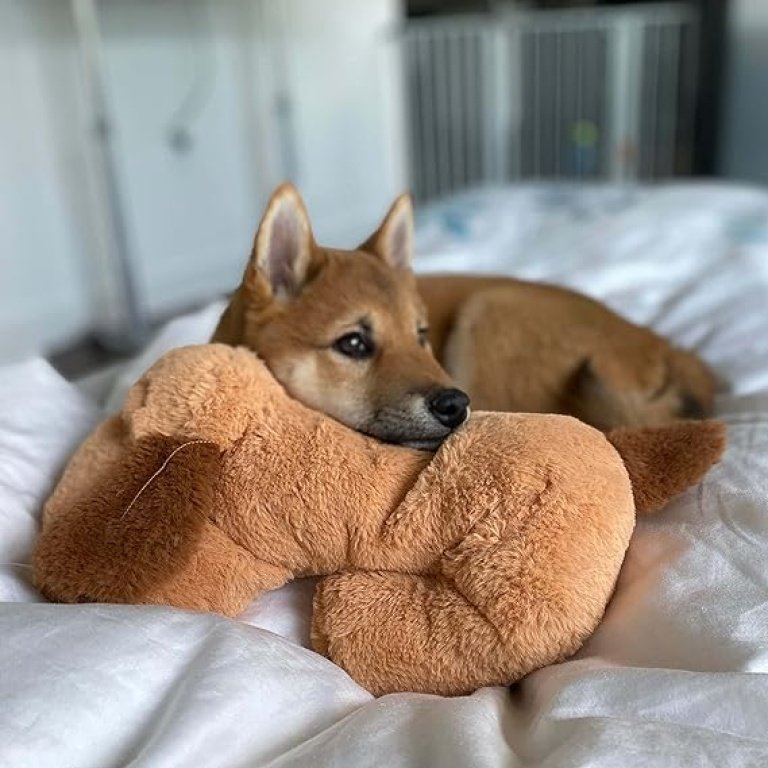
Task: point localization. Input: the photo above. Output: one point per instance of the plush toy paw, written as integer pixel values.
(401, 632)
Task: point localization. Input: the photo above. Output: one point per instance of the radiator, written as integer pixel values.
(580, 94)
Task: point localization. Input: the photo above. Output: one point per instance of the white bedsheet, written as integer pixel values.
(674, 676)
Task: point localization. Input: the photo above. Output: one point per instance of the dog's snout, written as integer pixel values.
(448, 406)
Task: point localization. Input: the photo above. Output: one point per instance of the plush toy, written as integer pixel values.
(444, 572)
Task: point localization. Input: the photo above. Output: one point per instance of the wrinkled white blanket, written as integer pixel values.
(675, 675)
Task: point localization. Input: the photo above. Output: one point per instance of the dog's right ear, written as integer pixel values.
(282, 250)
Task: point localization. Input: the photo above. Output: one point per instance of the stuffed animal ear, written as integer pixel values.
(664, 461)
(393, 240)
(282, 251)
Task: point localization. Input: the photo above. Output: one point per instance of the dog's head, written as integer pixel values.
(345, 332)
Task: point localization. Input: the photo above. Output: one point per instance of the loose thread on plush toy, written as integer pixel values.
(160, 470)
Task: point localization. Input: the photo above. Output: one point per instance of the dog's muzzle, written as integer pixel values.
(425, 421)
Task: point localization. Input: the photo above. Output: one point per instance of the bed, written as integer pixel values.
(674, 676)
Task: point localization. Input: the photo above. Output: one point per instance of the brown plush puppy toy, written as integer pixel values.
(445, 572)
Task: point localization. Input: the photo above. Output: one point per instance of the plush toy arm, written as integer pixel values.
(473, 473)
(542, 509)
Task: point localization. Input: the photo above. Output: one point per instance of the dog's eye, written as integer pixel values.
(423, 334)
(354, 345)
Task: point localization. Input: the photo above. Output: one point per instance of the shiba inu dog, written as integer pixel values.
(356, 335)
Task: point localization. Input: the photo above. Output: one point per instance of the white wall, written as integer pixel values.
(342, 71)
(44, 296)
(191, 211)
(745, 113)
(193, 214)
(190, 215)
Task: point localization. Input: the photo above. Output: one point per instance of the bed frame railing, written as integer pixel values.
(578, 94)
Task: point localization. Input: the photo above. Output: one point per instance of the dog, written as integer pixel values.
(356, 335)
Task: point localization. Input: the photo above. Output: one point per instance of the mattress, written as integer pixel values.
(674, 676)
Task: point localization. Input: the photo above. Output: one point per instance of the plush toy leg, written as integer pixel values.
(145, 535)
(398, 632)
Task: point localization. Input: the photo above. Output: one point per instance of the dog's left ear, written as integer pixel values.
(393, 240)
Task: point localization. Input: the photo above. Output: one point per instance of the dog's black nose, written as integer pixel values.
(448, 406)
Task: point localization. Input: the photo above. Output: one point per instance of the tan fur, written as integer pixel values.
(510, 345)
(660, 472)
(520, 346)
(451, 571)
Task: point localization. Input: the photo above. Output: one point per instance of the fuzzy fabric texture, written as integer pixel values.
(445, 572)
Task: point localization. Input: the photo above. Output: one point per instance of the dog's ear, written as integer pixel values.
(393, 240)
(664, 461)
(282, 250)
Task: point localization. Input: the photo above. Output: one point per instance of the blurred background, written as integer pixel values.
(140, 139)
